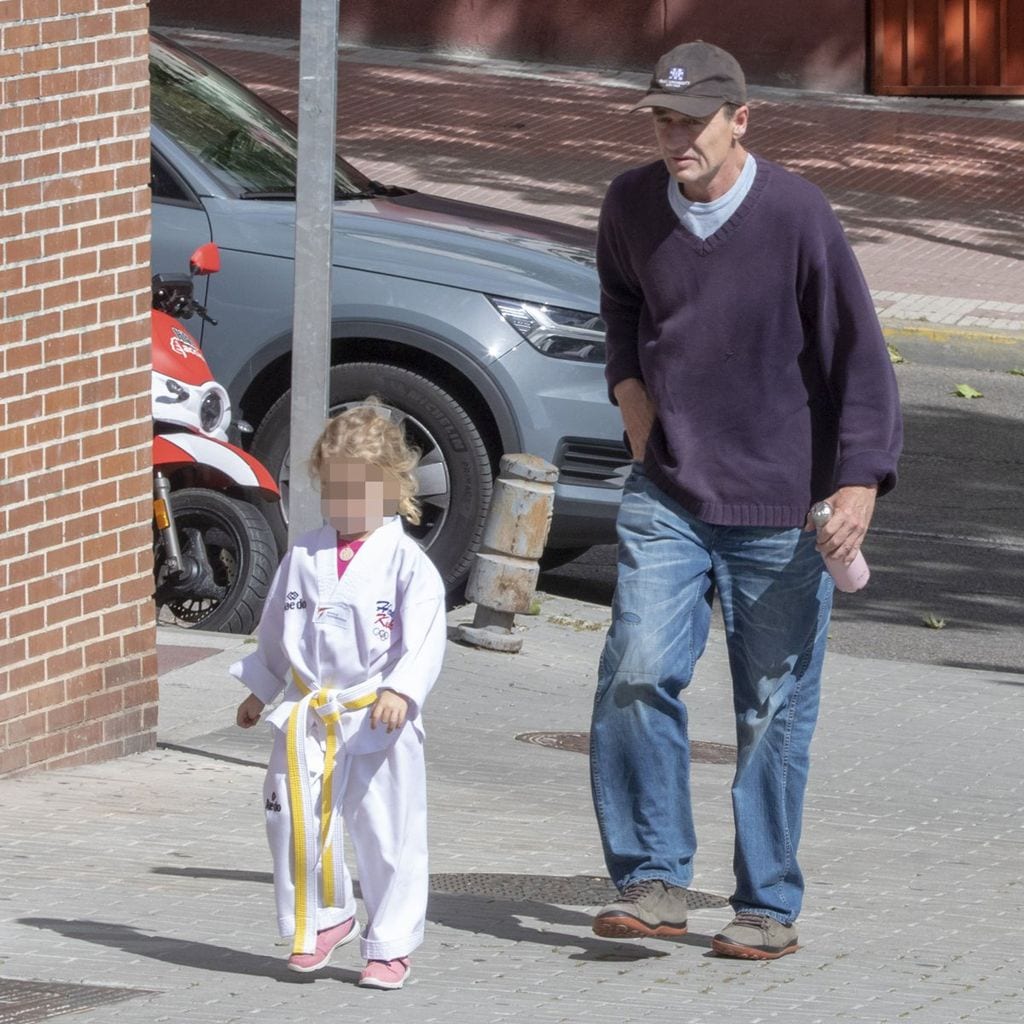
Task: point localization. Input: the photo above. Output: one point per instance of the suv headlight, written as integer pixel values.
(557, 332)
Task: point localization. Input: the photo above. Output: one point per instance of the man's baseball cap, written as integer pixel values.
(695, 79)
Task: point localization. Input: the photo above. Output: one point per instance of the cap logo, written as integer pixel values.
(676, 79)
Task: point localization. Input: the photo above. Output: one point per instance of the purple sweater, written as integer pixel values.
(759, 346)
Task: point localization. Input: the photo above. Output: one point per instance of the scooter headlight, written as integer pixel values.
(211, 412)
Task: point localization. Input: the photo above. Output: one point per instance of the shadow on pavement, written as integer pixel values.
(481, 906)
(201, 955)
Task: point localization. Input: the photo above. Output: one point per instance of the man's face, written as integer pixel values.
(703, 154)
(357, 496)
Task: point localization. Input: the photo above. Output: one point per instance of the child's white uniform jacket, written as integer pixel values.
(381, 625)
(329, 645)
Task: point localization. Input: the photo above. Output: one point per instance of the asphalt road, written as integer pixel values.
(948, 544)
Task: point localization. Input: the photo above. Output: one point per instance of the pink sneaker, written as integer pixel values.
(385, 973)
(327, 942)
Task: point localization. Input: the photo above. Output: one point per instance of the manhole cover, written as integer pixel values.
(575, 890)
(579, 743)
(26, 1002)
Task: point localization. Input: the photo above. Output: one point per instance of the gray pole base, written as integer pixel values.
(490, 638)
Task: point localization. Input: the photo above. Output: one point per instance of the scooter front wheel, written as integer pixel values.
(230, 557)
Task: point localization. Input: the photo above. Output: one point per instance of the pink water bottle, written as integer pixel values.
(848, 577)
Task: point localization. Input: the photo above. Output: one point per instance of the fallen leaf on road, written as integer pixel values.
(966, 391)
(932, 622)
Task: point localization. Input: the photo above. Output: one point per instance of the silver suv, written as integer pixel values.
(476, 327)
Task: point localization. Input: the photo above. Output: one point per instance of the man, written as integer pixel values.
(746, 358)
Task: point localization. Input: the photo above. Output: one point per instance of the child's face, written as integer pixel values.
(356, 496)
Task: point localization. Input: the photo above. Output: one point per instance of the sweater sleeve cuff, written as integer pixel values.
(866, 469)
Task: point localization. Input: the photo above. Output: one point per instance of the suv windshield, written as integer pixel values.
(247, 144)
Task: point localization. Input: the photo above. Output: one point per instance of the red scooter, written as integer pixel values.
(214, 552)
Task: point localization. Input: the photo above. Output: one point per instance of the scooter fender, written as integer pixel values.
(171, 451)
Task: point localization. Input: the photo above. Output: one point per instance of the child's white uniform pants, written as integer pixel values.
(381, 797)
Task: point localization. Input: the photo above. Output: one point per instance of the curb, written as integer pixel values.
(897, 330)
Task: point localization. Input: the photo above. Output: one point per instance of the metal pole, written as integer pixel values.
(314, 209)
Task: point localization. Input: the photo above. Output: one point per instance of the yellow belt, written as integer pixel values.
(307, 853)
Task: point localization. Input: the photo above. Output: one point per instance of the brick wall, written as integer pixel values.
(77, 636)
(779, 43)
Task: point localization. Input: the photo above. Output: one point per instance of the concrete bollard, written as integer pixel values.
(503, 579)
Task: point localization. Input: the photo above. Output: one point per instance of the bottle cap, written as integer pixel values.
(821, 513)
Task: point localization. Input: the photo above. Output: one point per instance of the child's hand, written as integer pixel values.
(248, 713)
(390, 709)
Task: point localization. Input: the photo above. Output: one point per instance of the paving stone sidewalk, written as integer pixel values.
(929, 190)
(138, 891)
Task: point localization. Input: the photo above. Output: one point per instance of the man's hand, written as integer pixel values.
(248, 713)
(390, 710)
(842, 536)
(638, 414)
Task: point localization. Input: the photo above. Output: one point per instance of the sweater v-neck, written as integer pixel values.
(703, 246)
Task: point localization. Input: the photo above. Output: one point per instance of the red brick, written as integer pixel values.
(99, 392)
(90, 23)
(56, 402)
(132, 20)
(104, 650)
(79, 316)
(127, 724)
(43, 589)
(21, 250)
(77, 53)
(28, 728)
(63, 558)
(46, 748)
(13, 706)
(83, 684)
(146, 692)
(141, 587)
(120, 620)
(86, 735)
(20, 37)
(28, 621)
(42, 272)
(61, 83)
(78, 423)
(22, 409)
(118, 568)
(48, 696)
(68, 661)
(103, 704)
(14, 544)
(40, 327)
(59, 137)
(13, 759)
(43, 165)
(24, 517)
(65, 716)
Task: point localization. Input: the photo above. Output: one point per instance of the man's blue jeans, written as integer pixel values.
(776, 599)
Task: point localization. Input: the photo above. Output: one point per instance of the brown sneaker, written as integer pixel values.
(755, 937)
(648, 908)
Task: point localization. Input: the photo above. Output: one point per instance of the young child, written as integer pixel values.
(353, 632)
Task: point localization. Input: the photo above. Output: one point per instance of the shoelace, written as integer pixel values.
(636, 891)
(755, 920)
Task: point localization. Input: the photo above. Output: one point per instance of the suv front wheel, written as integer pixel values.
(454, 471)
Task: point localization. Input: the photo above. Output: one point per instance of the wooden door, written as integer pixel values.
(948, 47)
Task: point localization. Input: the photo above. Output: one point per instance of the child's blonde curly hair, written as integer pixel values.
(364, 433)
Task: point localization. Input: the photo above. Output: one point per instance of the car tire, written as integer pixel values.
(455, 467)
